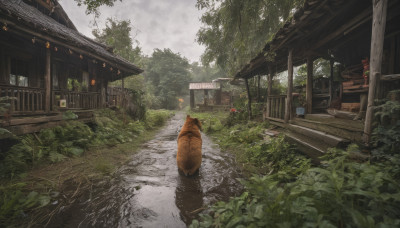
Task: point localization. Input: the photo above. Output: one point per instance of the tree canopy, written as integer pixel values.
(234, 31)
(92, 6)
(169, 75)
(117, 34)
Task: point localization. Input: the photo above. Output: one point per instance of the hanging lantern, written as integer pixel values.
(47, 44)
(92, 82)
(111, 69)
(81, 56)
(70, 52)
(119, 72)
(104, 65)
(34, 40)
(5, 28)
(55, 49)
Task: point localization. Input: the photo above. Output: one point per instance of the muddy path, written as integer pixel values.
(149, 191)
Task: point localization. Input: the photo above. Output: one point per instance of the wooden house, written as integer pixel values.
(48, 67)
(343, 31)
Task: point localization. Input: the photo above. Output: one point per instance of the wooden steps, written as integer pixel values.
(329, 140)
(347, 129)
(315, 134)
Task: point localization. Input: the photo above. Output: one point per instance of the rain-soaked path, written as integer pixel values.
(149, 191)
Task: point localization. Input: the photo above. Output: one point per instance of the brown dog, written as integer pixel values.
(189, 146)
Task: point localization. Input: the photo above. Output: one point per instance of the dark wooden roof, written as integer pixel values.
(318, 29)
(27, 19)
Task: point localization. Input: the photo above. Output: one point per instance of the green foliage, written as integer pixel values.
(51, 145)
(386, 136)
(14, 202)
(117, 34)
(205, 73)
(343, 193)
(169, 75)
(156, 118)
(92, 6)
(235, 31)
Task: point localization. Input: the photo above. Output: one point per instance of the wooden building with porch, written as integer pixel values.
(48, 67)
(363, 36)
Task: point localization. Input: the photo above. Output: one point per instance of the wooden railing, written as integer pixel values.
(77, 100)
(24, 99)
(276, 106)
(116, 96)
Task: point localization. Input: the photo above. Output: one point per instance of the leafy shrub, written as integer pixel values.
(344, 193)
(14, 201)
(386, 136)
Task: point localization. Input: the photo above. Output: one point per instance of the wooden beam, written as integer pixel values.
(192, 99)
(248, 97)
(47, 81)
(377, 39)
(288, 109)
(309, 84)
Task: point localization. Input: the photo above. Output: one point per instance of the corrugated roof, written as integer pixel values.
(31, 19)
(204, 85)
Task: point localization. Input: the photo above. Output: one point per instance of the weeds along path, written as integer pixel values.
(149, 191)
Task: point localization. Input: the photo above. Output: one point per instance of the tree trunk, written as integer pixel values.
(288, 109)
(249, 98)
(377, 39)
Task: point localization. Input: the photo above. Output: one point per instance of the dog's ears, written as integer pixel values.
(198, 123)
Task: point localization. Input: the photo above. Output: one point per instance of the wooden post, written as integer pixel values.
(192, 99)
(122, 83)
(103, 92)
(288, 109)
(248, 97)
(309, 84)
(378, 34)
(269, 92)
(331, 62)
(47, 82)
(205, 97)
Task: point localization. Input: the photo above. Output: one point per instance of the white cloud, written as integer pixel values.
(162, 24)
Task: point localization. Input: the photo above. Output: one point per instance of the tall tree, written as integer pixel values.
(92, 6)
(169, 75)
(118, 35)
(234, 31)
(205, 73)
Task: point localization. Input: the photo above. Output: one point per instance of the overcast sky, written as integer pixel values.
(161, 23)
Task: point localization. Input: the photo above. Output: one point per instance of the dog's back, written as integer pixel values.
(189, 146)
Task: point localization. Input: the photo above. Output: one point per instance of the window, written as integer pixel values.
(19, 73)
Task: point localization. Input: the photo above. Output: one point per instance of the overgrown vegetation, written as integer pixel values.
(342, 194)
(57, 144)
(287, 191)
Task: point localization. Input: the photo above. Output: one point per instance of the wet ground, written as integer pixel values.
(150, 192)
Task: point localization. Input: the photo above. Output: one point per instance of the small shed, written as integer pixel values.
(205, 86)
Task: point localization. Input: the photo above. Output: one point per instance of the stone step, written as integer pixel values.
(330, 140)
